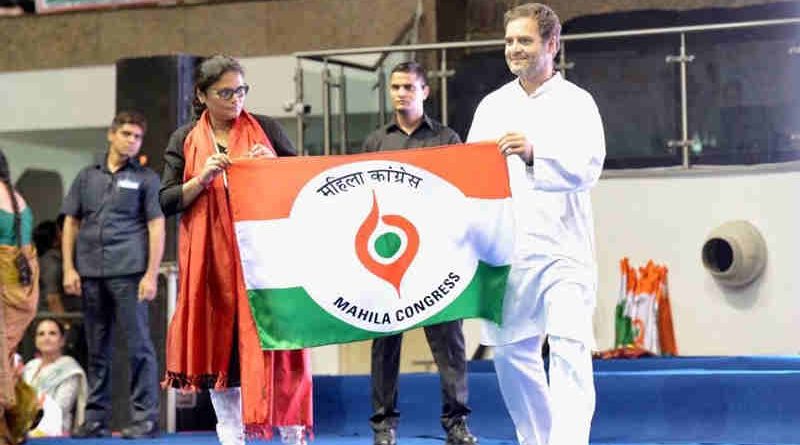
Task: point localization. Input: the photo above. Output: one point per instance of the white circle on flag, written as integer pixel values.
(384, 230)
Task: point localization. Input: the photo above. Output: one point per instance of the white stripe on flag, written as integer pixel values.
(275, 253)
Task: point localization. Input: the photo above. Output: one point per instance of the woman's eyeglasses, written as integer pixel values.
(228, 93)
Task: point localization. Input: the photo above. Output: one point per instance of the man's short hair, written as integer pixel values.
(547, 20)
(411, 67)
(129, 117)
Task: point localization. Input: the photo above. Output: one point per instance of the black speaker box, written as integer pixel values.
(161, 88)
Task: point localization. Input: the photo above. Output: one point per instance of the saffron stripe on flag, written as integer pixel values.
(292, 173)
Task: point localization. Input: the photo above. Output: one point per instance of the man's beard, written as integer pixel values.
(532, 68)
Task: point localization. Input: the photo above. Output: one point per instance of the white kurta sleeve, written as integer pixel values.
(569, 153)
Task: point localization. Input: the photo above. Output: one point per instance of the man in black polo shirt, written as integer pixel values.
(112, 244)
(412, 128)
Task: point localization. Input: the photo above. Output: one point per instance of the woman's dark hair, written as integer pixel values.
(23, 267)
(60, 325)
(44, 236)
(208, 72)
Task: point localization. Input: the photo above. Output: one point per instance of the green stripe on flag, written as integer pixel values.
(290, 319)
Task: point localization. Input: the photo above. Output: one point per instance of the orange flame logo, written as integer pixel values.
(392, 272)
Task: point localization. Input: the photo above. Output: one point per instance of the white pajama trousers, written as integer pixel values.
(230, 429)
(572, 396)
(523, 384)
(228, 408)
(556, 414)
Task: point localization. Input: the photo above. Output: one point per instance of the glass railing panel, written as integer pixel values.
(476, 73)
(312, 97)
(637, 93)
(744, 95)
(362, 95)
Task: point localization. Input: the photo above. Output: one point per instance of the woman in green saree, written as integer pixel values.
(19, 294)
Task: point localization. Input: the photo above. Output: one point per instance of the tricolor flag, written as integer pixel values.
(643, 317)
(343, 248)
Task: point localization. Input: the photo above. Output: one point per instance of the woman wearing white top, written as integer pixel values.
(59, 381)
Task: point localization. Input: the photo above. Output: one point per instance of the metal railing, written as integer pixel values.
(333, 57)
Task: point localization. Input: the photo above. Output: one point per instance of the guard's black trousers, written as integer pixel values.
(446, 341)
(106, 301)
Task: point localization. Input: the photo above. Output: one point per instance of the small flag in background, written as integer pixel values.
(643, 315)
(343, 248)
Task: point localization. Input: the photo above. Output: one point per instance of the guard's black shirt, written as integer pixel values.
(113, 209)
(430, 133)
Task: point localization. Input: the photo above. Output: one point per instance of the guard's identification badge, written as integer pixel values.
(128, 184)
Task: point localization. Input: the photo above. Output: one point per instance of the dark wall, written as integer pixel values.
(160, 87)
(42, 190)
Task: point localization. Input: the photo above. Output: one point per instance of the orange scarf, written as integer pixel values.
(276, 385)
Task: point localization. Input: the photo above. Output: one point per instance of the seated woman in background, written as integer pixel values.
(59, 381)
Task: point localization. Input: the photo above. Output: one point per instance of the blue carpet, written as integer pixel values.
(744, 400)
(750, 363)
(686, 401)
(345, 402)
(706, 399)
(210, 439)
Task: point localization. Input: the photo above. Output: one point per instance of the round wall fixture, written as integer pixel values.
(735, 253)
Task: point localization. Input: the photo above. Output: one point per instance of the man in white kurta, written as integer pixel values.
(551, 132)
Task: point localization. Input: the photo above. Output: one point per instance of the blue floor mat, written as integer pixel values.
(208, 438)
(683, 400)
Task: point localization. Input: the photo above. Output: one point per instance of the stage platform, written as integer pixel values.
(696, 400)
(207, 438)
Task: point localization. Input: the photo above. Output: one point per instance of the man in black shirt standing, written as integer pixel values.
(412, 128)
(112, 244)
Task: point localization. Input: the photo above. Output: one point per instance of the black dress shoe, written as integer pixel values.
(91, 429)
(385, 437)
(459, 434)
(140, 430)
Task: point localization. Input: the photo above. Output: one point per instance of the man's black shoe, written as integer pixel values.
(459, 434)
(91, 429)
(385, 437)
(140, 430)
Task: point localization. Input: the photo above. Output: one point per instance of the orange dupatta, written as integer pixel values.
(276, 385)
